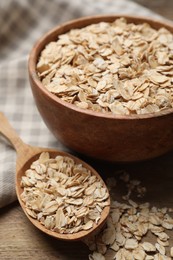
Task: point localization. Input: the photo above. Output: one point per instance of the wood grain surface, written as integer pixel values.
(162, 7)
(19, 239)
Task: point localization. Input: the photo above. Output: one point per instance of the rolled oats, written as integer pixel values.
(171, 251)
(117, 67)
(63, 195)
(148, 247)
(160, 248)
(130, 225)
(96, 256)
(131, 243)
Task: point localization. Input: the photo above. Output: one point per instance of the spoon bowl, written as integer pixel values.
(27, 154)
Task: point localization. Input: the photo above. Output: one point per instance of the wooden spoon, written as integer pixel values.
(26, 154)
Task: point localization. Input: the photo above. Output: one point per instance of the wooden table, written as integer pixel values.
(20, 240)
(162, 7)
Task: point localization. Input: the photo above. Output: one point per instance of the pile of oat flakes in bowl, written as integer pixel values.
(119, 67)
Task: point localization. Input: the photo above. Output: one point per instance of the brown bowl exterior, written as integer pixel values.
(99, 135)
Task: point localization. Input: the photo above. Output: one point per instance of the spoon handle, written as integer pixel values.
(8, 132)
(24, 151)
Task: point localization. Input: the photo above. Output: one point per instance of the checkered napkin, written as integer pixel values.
(21, 24)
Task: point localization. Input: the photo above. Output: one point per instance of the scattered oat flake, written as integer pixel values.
(149, 257)
(96, 256)
(131, 243)
(148, 247)
(139, 253)
(171, 251)
(108, 236)
(160, 248)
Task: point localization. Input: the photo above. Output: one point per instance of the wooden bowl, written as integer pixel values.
(118, 138)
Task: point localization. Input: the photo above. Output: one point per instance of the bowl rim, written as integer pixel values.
(65, 27)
